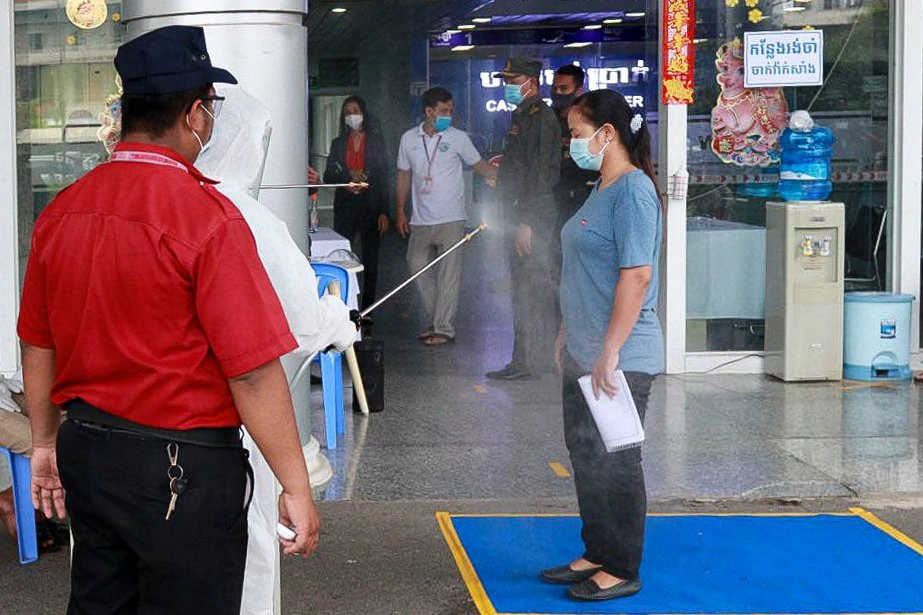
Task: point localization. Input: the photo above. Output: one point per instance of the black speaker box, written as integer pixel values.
(370, 354)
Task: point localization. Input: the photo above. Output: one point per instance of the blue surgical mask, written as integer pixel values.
(512, 93)
(442, 123)
(581, 155)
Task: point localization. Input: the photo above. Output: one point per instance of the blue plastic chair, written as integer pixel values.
(331, 363)
(22, 505)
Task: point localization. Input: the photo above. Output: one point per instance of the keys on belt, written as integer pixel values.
(178, 484)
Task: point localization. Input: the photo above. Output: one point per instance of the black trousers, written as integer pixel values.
(349, 219)
(610, 486)
(127, 558)
(534, 291)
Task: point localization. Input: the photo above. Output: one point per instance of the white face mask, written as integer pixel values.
(354, 121)
(202, 146)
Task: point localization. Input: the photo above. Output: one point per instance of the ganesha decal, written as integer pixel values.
(746, 122)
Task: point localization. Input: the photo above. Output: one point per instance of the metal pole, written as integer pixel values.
(303, 366)
(357, 185)
(460, 242)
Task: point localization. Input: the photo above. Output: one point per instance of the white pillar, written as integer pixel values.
(673, 182)
(265, 45)
(906, 154)
(673, 178)
(9, 227)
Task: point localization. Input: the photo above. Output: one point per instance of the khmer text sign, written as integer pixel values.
(784, 58)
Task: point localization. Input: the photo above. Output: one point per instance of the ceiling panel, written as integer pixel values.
(370, 22)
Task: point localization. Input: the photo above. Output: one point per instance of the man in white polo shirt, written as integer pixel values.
(429, 164)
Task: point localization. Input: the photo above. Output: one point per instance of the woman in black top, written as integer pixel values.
(358, 155)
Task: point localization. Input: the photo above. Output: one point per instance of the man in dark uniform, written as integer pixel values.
(529, 171)
(147, 315)
(576, 183)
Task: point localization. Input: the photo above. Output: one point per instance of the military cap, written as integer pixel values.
(519, 65)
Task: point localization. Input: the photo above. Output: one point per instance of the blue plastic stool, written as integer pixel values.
(22, 505)
(331, 363)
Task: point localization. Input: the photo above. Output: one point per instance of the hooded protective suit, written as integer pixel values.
(235, 156)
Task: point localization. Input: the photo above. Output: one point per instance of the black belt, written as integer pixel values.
(216, 437)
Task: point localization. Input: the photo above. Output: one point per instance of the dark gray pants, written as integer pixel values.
(610, 486)
(535, 303)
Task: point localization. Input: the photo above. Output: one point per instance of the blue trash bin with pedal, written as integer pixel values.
(876, 328)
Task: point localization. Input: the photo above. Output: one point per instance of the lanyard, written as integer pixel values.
(430, 159)
(147, 158)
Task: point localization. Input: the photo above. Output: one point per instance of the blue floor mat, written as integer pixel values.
(701, 564)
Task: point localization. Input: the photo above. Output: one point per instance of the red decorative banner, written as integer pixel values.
(678, 58)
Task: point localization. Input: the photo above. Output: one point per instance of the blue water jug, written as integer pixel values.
(805, 165)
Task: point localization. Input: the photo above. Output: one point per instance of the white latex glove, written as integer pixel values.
(342, 331)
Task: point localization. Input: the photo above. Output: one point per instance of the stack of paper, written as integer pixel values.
(616, 417)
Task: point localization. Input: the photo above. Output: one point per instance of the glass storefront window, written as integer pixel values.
(64, 74)
(727, 194)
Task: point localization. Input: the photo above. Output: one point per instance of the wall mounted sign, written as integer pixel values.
(86, 14)
(678, 52)
(784, 58)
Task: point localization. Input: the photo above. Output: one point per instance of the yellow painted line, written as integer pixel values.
(559, 470)
(654, 514)
(480, 388)
(475, 588)
(852, 385)
(889, 529)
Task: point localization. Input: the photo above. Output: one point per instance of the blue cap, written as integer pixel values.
(166, 61)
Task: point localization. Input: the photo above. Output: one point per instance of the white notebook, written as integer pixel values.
(616, 417)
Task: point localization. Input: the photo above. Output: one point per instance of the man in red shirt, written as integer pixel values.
(147, 315)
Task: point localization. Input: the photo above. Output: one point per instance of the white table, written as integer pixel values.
(725, 269)
(325, 241)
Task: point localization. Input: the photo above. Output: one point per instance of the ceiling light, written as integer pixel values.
(338, 9)
(794, 9)
(803, 1)
(640, 14)
(593, 27)
(699, 40)
(462, 47)
(481, 20)
(453, 31)
(577, 45)
(612, 21)
(467, 26)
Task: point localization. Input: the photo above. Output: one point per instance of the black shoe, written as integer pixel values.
(510, 372)
(500, 374)
(565, 575)
(589, 591)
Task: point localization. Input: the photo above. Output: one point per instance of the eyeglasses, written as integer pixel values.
(216, 102)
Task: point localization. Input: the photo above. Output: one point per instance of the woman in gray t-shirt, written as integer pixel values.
(609, 286)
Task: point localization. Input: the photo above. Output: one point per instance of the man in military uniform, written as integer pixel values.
(527, 177)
